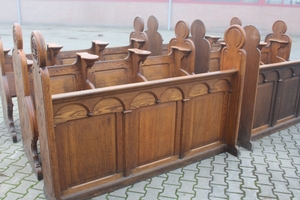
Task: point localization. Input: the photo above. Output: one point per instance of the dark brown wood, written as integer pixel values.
(95, 141)
(155, 45)
(250, 86)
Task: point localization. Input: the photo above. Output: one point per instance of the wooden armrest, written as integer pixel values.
(279, 41)
(54, 46)
(87, 56)
(137, 40)
(181, 48)
(212, 36)
(139, 51)
(6, 51)
(99, 42)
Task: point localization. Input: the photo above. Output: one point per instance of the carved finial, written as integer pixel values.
(38, 48)
(198, 28)
(279, 27)
(182, 30)
(17, 36)
(235, 37)
(138, 24)
(235, 21)
(152, 24)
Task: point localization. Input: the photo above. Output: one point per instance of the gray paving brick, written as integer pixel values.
(234, 195)
(33, 194)
(170, 191)
(156, 182)
(173, 179)
(266, 191)
(246, 162)
(271, 157)
(290, 173)
(203, 183)
(205, 163)
(245, 153)
(185, 196)
(249, 183)
(234, 187)
(219, 159)
(218, 191)
(250, 194)
(264, 179)
(12, 195)
(202, 193)
(274, 166)
(17, 154)
(281, 187)
(286, 163)
(189, 175)
(233, 175)
(134, 195)
(11, 170)
(39, 185)
(206, 172)
(23, 187)
(247, 172)
(231, 158)
(232, 165)
(277, 176)
(219, 179)
(269, 149)
(16, 179)
(219, 168)
(4, 188)
(2, 156)
(296, 193)
(120, 192)
(139, 187)
(283, 195)
(152, 193)
(26, 170)
(187, 187)
(259, 160)
(191, 167)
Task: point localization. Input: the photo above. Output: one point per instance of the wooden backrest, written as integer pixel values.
(137, 39)
(235, 21)
(202, 47)
(179, 62)
(155, 45)
(279, 44)
(250, 85)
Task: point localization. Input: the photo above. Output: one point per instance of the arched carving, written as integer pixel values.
(38, 48)
(143, 99)
(221, 85)
(109, 105)
(171, 94)
(199, 89)
(70, 112)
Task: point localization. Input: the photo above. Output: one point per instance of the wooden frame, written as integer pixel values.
(102, 140)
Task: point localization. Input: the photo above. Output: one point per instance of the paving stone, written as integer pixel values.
(17, 154)
(205, 163)
(283, 195)
(32, 194)
(281, 187)
(296, 193)
(2, 156)
(232, 158)
(11, 170)
(12, 195)
(287, 163)
(274, 166)
(203, 183)
(39, 185)
(23, 187)
(173, 179)
(233, 175)
(102, 197)
(233, 165)
(218, 191)
(177, 171)
(189, 175)
(191, 167)
(266, 191)
(205, 172)
(4, 188)
(202, 193)
(249, 183)
(234, 187)
(152, 193)
(264, 179)
(234, 195)
(219, 168)
(259, 160)
(26, 170)
(269, 149)
(156, 182)
(120, 192)
(139, 187)
(187, 187)
(246, 162)
(250, 194)
(16, 179)
(185, 196)
(134, 195)
(219, 159)
(271, 157)
(219, 179)
(21, 162)
(245, 153)
(290, 173)
(170, 191)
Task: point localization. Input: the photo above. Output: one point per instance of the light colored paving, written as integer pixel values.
(271, 171)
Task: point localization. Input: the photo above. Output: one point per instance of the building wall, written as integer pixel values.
(120, 13)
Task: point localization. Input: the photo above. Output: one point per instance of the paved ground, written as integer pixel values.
(271, 171)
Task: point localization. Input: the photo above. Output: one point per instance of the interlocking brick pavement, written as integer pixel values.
(270, 171)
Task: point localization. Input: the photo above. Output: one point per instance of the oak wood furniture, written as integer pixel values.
(278, 44)
(98, 140)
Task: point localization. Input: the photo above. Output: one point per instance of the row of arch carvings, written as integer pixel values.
(277, 74)
(113, 104)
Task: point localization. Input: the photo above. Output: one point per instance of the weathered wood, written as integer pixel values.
(95, 141)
